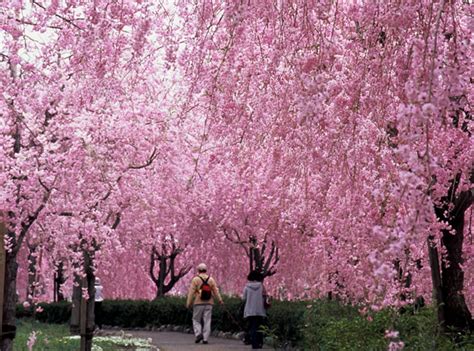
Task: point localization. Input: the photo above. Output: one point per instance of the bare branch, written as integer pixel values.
(152, 265)
(228, 232)
(264, 246)
(148, 162)
(269, 268)
(118, 217)
(25, 226)
(48, 190)
(30, 23)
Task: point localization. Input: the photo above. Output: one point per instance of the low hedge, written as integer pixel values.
(284, 318)
(56, 313)
(144, 313)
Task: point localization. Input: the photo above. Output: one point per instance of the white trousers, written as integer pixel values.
(202, 320)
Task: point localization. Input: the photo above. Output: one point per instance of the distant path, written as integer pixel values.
(175, 341)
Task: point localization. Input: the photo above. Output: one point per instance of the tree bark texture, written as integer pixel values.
(74, 326)
(456, 313)
(59, 280)
(82, 314)
(10, 300)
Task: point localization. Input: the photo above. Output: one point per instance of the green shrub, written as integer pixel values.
(286, 321)
(333, 326)
(419, 331)
(345, 332)
(55, 312)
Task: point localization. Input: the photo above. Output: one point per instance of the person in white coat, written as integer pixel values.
(254, 310)
(99, 297)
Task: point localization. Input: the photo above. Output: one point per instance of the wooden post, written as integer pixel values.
(2, 274)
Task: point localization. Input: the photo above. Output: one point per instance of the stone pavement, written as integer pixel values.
(175, 341)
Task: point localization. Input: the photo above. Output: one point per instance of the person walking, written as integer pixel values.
(254, 309)
(201, 294)
(99, 297)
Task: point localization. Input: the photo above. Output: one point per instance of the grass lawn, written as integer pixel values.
(56, 337)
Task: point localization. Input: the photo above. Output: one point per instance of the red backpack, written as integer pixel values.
(206, 291)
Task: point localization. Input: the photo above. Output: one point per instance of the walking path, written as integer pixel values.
(175, 341)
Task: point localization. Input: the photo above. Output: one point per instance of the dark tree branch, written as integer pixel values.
(148, 162)
(269, 267)
(30, 23)
(152, 265)
(229, 232)
(48, 190)
(25, 226)
(118, 218)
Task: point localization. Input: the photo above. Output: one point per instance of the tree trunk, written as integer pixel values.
(86, 309)
(87, 314)
(82, 314)
(160, 285)
(160, 291)
(451, 211)
(456, 312)
(74, 326)
(10, 300)
(59, 280)
(159, 294)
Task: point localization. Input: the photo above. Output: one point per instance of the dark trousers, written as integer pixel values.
(256, 336)
(98, 314)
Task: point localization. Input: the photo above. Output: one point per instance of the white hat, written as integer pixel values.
(202, 267)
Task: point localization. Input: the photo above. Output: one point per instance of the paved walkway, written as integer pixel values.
(175, 341)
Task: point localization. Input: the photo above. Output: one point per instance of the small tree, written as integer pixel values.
(259, 259)
(166, 277)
